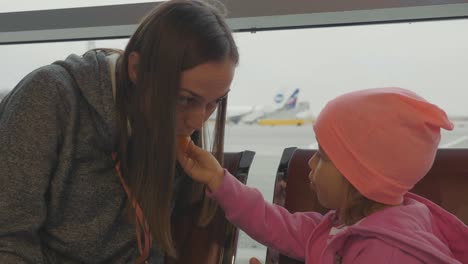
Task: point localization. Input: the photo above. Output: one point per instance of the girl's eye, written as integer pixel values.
(319, 155)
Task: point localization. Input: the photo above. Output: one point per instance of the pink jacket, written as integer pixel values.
(416, 232)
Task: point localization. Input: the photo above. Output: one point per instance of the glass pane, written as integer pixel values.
(29, 5)
(19, 60)
(429, 58)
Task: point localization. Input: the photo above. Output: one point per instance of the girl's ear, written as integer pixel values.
(133, 60)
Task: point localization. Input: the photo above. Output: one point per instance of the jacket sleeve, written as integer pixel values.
(29, 143)
(267, 223)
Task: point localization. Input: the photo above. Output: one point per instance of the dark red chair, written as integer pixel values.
(217, 242)
(446, 184)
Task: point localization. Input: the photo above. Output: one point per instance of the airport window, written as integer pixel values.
(31, 5)
(429, 58)
(285, 77)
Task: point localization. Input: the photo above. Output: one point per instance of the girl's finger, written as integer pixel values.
(254, 261)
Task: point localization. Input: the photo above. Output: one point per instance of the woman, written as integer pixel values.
(65, 126)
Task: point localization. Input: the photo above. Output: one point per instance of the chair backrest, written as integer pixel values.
(445, 184)
(215, 243)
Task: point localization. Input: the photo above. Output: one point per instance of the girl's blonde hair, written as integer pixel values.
(356, 206)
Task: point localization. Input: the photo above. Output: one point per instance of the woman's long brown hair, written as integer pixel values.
(176, 36)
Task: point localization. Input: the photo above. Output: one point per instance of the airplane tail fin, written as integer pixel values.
(292, 100)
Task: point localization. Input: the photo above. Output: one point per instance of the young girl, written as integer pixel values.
(64, 126)
(375, 145)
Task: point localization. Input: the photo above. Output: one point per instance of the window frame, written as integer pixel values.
(101, 22)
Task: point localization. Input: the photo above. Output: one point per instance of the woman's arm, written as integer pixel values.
(29, 143)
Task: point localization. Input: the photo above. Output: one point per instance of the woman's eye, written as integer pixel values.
(183, 100)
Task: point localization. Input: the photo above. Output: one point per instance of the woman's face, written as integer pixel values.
(202, 88)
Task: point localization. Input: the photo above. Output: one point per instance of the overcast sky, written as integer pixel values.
(430, 58)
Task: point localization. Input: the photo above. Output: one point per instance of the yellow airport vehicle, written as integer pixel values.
(284, 122)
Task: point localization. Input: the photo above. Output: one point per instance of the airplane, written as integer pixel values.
(249, 114)
(297, 116)
(235, 113)
(264, 110)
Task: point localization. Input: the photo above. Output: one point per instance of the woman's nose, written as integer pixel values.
(196, 118)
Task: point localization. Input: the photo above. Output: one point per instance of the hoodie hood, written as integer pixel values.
(418, 227)
(451, 230)
(91, 75)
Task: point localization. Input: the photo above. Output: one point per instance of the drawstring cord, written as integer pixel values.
(141, 223)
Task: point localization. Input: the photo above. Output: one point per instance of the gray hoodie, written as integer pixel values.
(61, 200)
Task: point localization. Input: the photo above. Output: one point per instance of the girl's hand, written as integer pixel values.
(200, 165)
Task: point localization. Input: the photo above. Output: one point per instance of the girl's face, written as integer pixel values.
(326, 180)
(202, 88)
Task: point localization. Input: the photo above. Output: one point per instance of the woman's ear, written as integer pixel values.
(133, 61)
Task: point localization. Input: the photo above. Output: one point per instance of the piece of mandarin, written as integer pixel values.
(183, 143)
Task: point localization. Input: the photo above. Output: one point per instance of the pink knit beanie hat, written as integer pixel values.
(382, 140)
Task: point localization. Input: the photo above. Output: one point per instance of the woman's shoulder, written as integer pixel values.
(39, 86)
(63, 80)
(46, 91)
